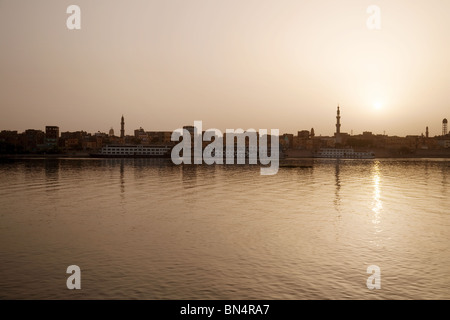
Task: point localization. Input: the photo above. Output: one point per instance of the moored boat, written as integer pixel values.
(347, 153)
(133, 151)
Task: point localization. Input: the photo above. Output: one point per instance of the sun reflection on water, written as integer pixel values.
(377, 204)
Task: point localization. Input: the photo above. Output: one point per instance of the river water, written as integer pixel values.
(147, 229)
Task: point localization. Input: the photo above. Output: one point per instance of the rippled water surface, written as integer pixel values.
(147, 229)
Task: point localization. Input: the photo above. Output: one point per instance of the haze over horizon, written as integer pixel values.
(259, 64)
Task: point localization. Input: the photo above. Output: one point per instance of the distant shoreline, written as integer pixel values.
(379, 154)
(44, 156)
(445, 155)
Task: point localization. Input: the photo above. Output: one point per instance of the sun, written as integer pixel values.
(377, 105)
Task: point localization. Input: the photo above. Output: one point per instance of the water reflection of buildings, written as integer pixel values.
(122, 178)
(51, 167)
(112, 165)
(337, 199)
(189, 176)
(445, 170)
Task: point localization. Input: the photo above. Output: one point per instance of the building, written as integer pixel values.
(51, 136)
(160, 137)
(72, 140)
(122, 127)
(338, 121)
(32, 140)
(89, 142)
(287, 140)
(9, 142)
(337, 135)
(304, 134)
(191, 130)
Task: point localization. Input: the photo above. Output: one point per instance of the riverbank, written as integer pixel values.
(46, 156)
(379, 153)
(291, 154)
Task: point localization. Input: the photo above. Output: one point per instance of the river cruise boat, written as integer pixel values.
(133, 151)
(343, 154)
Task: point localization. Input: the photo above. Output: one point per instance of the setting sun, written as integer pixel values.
(377, 105)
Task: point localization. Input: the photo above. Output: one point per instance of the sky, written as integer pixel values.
(261, 64)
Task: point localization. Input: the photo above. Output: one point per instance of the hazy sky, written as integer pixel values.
(282, 64)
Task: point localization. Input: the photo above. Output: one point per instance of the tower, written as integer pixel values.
(338, 121)
(444, 127)
(122, 128)
(427, 133)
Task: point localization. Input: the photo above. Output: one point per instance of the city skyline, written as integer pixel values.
(242, 65)
(122, 132)
(32, 140)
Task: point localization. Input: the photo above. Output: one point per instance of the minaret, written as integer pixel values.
(122, 128)
(444, 127)
(427, 133)
(338, 121)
